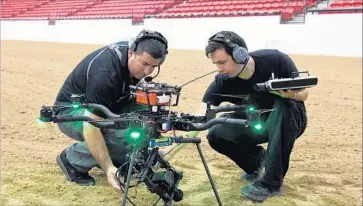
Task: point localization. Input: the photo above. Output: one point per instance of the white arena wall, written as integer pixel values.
(332, 34)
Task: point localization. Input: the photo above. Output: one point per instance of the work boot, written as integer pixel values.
(259, 191)
(257, 174)
(73, 175)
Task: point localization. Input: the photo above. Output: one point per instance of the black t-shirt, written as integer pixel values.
(267, 61)
(103, 77)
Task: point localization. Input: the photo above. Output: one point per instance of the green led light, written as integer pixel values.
(135, 135)
(251, 109)
(40, 122)
(76, 105)
(258, 126)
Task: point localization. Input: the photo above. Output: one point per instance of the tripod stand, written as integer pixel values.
(197, 142)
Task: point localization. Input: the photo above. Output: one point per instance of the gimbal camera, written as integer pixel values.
(144, 129)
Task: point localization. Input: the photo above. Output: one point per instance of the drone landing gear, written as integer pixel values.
(209, 175)
(165, 183)
(197, 142)
(128, 178)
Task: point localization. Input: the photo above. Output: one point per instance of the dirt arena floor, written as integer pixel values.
(326, 163)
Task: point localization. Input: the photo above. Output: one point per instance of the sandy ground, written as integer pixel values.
(326, 163)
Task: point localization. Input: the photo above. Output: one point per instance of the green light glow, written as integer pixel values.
(258, 126)
(135, 135)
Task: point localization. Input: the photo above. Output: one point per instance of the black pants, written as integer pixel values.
(79, 154)
(281, 128)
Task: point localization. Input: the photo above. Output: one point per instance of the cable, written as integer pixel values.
(157, 201)
(169, 151)
(198, 78)
(118, 174)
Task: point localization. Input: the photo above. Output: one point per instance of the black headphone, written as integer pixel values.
(239, 54)
(147, 34)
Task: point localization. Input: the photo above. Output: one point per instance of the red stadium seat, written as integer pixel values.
(357, 3)
(287, 14)
(159, 8)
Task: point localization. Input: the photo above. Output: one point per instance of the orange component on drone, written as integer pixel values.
(154, 98)
(141, 97)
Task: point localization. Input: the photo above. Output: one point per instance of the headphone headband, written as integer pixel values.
(148, 34)
(218, 37)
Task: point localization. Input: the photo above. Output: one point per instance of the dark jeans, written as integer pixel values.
(281, 128)
(78, 153)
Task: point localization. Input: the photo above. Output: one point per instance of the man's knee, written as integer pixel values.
(213, 141)
(73, 131)
(216, 131)
(215, 136)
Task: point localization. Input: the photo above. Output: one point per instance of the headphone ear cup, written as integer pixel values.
(240, 55)
(132, 44)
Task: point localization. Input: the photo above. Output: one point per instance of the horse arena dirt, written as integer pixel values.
(326, 162)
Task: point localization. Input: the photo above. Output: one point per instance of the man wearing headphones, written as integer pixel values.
(239, 71)
(104, 77)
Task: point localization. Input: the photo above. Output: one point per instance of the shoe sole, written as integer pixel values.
(254, 198)
(61, 165)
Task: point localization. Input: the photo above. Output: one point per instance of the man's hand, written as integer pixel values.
(286, 94)
(111, 178)
(99, 151)
(298, 95)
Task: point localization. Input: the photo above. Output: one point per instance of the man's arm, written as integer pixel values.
(300, 95)
(100, 91)
(96, 143)
(287, 67)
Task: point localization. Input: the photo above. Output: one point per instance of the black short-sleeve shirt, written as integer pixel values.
(102, 77)
(267, 61)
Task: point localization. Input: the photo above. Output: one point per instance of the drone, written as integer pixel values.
(144, 129)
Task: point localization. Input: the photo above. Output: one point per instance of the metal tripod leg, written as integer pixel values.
(209, 175)
(123, 203)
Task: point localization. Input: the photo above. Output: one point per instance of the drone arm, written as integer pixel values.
(219, 120)
(85, 119)
(201, 111)
(103, 109)
(229, 108)
(72, 118)
(210, 111)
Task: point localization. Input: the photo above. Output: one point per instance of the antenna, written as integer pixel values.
(197, 78)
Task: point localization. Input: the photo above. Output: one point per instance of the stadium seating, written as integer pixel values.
(214, 8)
(140, 9)
(58, 8)
(125, 9)
(11, 8)
(354, 6)
(346, 4)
